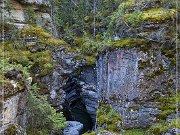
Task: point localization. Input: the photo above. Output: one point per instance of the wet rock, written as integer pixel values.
(73, 128)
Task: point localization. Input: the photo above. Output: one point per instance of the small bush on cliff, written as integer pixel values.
(39, 63)
(168, 106)
(108, 118)
(30, 16)
(162, 127)
(43, 117)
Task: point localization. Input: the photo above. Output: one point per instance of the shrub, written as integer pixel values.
(43, 117)
(30, 16)
(108, 118)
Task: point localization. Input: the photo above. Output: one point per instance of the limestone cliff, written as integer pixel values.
(13, 103)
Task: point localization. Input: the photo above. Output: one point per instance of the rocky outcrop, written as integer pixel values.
(73, 128)
(128, 86)
(19, 13)
(36, 2)
(72, 88)
(13, 103)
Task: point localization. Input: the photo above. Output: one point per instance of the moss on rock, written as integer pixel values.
(90, 60)
(128, 42)
(12, 130)
(108, 118)
(152, 15)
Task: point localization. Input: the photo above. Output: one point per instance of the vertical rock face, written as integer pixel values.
(129, 88)
(13, 104)
(117, 74)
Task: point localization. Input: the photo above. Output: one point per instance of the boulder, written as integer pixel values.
(73, 128)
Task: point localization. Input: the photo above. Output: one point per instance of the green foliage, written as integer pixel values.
(90, 60)
(163, 115)
(6, 65)
(168, 106)
(134, 19)
(43, 37)
(159, 15)
(39, 62)
(73, 16)
(43, 61)
(90, 46)
(106, 116)
(153, 15)
(42, 115)
(162, 127)
(126, 4)
(128, 42)
(30, 16)
(96, 132)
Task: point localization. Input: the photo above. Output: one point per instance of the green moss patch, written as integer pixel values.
(41, 61)
(162, 127)
(159, 15)
(153, 15)
(95, 132)
(108, 118)
(128, 42)
(90, 60)
(43, 37)
(168, 106)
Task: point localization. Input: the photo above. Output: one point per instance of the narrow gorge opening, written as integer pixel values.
(75, 109)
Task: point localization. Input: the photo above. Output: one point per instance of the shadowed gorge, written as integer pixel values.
(76, 104)
(89, 67)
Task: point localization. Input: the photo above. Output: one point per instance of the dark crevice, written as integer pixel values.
(74, 108)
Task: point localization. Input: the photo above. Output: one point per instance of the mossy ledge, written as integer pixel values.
(157, 15)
